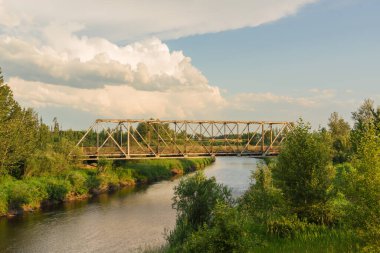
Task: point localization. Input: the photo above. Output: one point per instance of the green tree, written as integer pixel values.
(18, 133)
(363, 181)
(340, 133)
(305, 174)
(365, 117)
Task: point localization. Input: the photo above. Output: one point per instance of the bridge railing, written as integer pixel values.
(136, 139)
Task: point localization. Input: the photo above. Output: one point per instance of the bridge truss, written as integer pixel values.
(124, 139)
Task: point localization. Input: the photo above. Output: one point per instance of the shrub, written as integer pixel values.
(262, 200)
(104, 165)
(194, 199)
(38, 190)
(3, 201)
(125, 175)
(18, 194)
(47, 163)
(57, 188)
(108, 180)
(79, 182)
(229, 231)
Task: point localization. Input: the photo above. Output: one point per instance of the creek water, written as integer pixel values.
(128, 220)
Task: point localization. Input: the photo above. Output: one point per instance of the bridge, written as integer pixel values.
(125, 139)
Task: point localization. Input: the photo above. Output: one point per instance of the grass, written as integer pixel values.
(330, 240)
(30, 192)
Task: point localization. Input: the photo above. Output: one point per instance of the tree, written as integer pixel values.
(340, 133)
(364, 179)
(18, 133)
(305, 174)
(366, 117)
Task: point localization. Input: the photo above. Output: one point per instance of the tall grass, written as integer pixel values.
(30, 192)
(326, 240)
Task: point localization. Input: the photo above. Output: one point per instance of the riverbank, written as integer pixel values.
(32, 193)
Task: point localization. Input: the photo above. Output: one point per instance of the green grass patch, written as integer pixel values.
(29, 192)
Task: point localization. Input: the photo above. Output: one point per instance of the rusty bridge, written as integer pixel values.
(124, 139)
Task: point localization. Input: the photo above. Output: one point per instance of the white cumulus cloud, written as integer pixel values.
(94, 62)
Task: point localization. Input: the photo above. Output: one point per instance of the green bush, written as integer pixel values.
(38, 190)
(3, 201)
(19, 194)
(44, 163)
(194, 199)
(57, 188)
(104, 165)
(108, 180)
(79, 182)
(229, 231)
(124, 175)
(262, 200)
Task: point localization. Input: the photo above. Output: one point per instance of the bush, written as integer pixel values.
(125, 175)
(287, 227)
(108, 180)
(262, 200)
(79, 182)
(194, 199)
(3, 201)
(104, 165)
(57, 188)
(38, 190)
(47, 162)
(229, 231)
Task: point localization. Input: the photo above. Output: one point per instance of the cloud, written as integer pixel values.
(93, 62)
(107, 58)
(120, 101)
(122, 20)
(7, 19)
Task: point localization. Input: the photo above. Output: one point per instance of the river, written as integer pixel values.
(125, 221)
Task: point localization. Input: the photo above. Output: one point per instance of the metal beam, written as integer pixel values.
(182, 138)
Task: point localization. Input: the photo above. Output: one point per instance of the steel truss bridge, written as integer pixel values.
(125, 139)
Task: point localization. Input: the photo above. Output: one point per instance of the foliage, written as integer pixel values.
(18, 131)
(340, 133)
(262, 200)
(305, 174)
(194, 199)
(295, 202)
(364, 187)
(47, 162)
(229, 231)
(57, 188)
(79, 182)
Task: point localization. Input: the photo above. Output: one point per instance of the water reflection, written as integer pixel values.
(127, 220)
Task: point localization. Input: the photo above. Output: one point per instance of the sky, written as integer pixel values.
(217, 59)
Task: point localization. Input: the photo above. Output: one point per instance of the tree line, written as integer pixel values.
(321, 194)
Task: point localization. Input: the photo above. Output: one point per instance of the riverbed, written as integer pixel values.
(125, 221)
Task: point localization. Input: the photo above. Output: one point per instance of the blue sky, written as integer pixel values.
(243, 60)
(330, 44)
